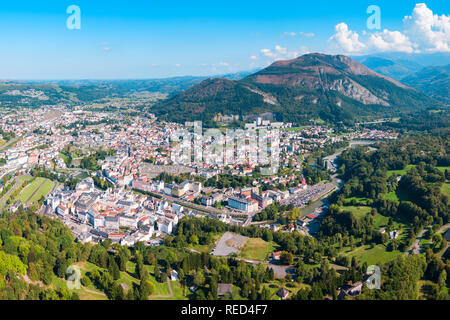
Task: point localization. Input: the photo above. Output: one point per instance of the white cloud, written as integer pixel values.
(307, 34)
(429, 31)
(301, 33)
(224, 64)
(253, 57)
(268, 53)
(390, 41)
(423, 31)
(281, 53)
(280, 49)
(346, 39)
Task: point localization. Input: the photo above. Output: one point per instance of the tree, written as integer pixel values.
(286, 258)
(193, 239)
(145, 289)
(113, 268)
(199, 278)
(294, 214)
(265, 294)
(442, 279)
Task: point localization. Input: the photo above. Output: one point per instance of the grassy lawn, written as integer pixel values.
(445, 189)
(400, 172)
(43, 191)
(296, 129)
(82, 293)
(28, 190)
(292, 287)
(442, 169)
(258, 249)
(392, 196)
(22, 179)
(177, 292)
(362, 201)
(129, 280)
(159, 288)
(375, 255)
(397, 195)
(204, 247)
(361, 211)
(380, 221)
(357, 211)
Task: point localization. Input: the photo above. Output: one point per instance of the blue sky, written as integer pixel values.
(148, 39)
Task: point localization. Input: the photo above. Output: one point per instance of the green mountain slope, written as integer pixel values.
(334, 88)
(435, 81)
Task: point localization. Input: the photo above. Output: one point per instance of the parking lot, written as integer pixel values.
(229, 243)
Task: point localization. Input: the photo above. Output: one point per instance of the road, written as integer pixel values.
(164, 296)
(6, 196)
(190, 205)
(415, 248)
(10, 142)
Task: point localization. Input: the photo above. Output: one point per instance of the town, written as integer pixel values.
(113, 177)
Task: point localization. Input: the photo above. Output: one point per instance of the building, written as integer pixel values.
(283, 293)
(276, 255)
(174, 276)
(112, 223)
(350, 290)
(165, 225)
(243, 204)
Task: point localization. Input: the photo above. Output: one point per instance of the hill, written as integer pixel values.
(334, 88)
(435, 81)
(38, 93)
(393, 68)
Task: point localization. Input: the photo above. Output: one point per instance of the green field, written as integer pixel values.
(42, 192)
(296, 129)
(445, 189)
(359, 200)
(204, 247)
(159, 288)
(442, 169)
(397, 195)
(258, 249)
(361, 211)
(28, 190)
(376, 255)
(399, 172)
(292, 287)
(358, 211)
(379, 253)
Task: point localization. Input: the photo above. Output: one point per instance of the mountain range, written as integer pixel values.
(435, 81)
(333, 88)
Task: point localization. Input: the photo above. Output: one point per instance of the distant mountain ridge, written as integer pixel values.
(396, 69)
(334, 88)
(435, 81)
(15, 93)
(399, 65)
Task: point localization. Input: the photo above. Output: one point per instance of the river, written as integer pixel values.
(334, 179)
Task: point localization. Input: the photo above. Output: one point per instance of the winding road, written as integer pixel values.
(164, 296)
